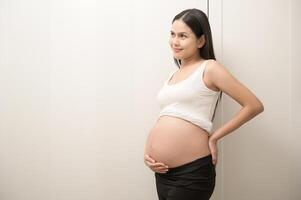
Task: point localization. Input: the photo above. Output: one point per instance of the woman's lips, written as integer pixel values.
(177, 50)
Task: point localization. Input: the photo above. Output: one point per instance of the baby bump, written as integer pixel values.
(174, 141)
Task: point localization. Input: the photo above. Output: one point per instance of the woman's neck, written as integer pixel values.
(189, 62)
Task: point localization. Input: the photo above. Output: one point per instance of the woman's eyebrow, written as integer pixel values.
(179, 32)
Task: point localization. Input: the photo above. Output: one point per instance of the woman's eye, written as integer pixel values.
(182, 36)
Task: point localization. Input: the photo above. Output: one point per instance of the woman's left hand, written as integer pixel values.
(213, 150)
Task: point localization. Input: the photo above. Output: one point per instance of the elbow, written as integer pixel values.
(255, 108)
(259, 108)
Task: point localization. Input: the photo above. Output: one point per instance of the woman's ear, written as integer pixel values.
(201, 41)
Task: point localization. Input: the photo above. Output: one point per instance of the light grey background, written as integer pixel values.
(78, 84)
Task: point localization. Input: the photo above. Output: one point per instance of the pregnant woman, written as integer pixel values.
(180, 148)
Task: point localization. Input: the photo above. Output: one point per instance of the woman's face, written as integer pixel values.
(183, 41)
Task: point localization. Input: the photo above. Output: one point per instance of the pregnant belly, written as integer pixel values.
(174, 141)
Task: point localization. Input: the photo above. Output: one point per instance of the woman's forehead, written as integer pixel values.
(180, 27)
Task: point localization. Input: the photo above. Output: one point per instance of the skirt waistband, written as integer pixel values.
(191, 165)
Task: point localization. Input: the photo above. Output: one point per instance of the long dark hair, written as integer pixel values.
(198, 22)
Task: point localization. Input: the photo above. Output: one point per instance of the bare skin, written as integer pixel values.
(174, 141)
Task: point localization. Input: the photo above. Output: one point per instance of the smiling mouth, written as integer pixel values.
(177, 50)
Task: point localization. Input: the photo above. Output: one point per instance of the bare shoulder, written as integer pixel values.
(214, 66)
(215, 70)
(218, 73)
(223, 79)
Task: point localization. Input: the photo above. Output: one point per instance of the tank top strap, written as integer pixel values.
(170, 75)
(202, 68)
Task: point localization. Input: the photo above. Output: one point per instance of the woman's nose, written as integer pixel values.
(175, 42)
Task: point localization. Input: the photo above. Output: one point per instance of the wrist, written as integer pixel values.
(213, 139)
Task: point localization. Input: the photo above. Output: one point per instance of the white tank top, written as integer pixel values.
(189, 99)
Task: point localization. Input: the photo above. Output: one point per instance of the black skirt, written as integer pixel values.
(191, 181)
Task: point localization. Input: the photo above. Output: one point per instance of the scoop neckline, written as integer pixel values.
(187, 78)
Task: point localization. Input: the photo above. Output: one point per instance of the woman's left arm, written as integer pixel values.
(226, 82)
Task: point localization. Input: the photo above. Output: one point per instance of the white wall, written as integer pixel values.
(78, 82)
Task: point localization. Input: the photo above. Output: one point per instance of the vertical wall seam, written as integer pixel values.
(290, 89)
(222, 103)
(207, 5)
(222, 99)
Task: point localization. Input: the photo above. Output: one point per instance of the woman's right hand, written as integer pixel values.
(155, 166)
